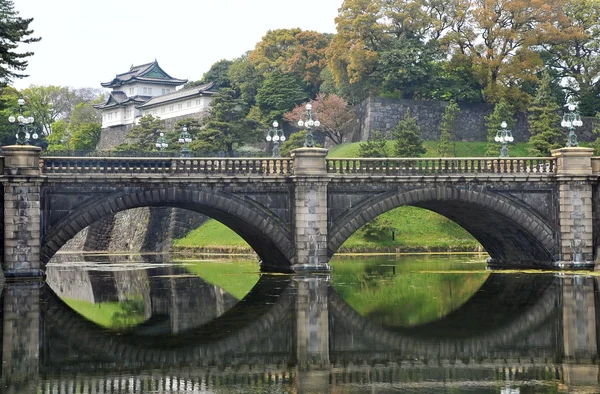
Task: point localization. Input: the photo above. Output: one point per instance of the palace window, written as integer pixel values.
(149, 90)
(171, 108)
(162, 110)
(189, 104)
(180, 106)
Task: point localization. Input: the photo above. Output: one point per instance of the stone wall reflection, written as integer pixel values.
(298, 337)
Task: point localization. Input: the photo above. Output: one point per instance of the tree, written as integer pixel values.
(572, 49)
(503, 112)
(50, 103)
(84, 136)
(499, 37)
(544, 120)
(8, 106)
(218, 73)
(143, 136)
(226, 125)
(447, 129)
(279, 94)
(301, 53)
(407, 137)
(14, 31)
(596, 132)
(295, 141)
(338, 119)
(375, 146)
(245, 79)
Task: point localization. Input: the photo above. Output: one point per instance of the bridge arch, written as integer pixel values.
(214, 342)
(521, 306)
(509, 231)
(265, 232)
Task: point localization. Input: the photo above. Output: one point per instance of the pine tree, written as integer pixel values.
(407, 137)
(596, 131)
(143, 136)
(447, 132)
(503, 112)
(544, 120)
(375, 146)
(14, 31)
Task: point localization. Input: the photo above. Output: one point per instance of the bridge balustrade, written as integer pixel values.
(208, 166)
(434, 166)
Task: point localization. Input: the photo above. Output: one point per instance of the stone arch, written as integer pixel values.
(521, 306)
(270, 304)
(511, 233)
(264, 232)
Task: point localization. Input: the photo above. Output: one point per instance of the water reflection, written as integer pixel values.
(175, 331)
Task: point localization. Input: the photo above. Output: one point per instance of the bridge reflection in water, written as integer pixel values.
(293, 333)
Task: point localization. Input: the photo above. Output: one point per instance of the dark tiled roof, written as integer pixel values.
(180, 95)
(118, 99)
(149, 72)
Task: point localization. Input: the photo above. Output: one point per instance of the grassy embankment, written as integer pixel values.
(416, 230)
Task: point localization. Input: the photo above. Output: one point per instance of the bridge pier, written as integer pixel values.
(22, 230)
(574, 173)
(310, 213)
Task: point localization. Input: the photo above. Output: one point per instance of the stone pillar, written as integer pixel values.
(580, 344)
(22, 229)
(310, 236)
(21, 337)
(312, 334)
(574, 173)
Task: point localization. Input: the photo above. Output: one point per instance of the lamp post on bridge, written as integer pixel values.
(309, 142)
(23, 136)
(504, 136)
(276, 135)
(571, 120)
(185, 138)
(161, 143)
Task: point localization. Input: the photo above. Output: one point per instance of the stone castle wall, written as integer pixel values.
(137, 230)
(383, 114)
(113, 136)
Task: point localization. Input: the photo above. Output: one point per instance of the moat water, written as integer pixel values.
(378, 324)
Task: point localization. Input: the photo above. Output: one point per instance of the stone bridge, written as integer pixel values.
(296, 212)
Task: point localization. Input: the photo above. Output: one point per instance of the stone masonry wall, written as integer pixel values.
(113, 136)
(149, 229)
(383, 114)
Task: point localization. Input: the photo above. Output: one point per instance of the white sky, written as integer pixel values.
(85, 42)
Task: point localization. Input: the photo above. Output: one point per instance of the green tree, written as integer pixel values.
(245, 79)
(14, 31)
(279, 94)
(544, 120)
(143, 136)
(375, 146)
(227, 125)
(295, 141)
(407, 137)
(84, 136)
(59, 139)
(503, 112)
(8, 106)
(447, 130)
(217, 73)
(596, 131)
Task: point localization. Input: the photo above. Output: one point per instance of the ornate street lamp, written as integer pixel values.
(276, 135)
(161, 143)
(23, 136)
(309, 123)
(571, 120)
(185, 138)
(504, 136)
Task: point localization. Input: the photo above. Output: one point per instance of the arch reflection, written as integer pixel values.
(298, 334)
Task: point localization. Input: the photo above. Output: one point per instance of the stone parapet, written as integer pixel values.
(574, 161)
(21, 160)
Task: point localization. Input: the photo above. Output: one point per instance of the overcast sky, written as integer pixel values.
(85, 42)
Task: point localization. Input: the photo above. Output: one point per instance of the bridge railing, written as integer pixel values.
(434, 166)
(161, 165)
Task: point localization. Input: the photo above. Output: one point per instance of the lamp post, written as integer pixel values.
(161, 143)
(309, 142)
(185, 138)
(571, 120)
(23, 135)
(276, 135)
(504, 136)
